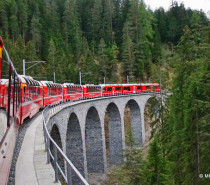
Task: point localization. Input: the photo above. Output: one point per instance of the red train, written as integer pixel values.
(22, 97)
(35, 95)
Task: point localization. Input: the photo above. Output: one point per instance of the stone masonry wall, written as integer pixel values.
(84, 142)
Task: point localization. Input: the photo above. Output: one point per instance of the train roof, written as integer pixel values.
(150, 84)
(110, 85)
(29, 80)
(50, 84)
(128, 84)
(3, 81)
(68, 84)
(71, 85)
(91, 85)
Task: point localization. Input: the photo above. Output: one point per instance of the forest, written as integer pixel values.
(113, 39)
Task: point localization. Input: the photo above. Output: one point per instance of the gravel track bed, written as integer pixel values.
(21, 134)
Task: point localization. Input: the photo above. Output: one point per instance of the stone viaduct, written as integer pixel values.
(79, 130)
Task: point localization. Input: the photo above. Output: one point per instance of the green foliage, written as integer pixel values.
(130, 32)
(187, 146)
(171, 23)
(159, 169)
(180, 143)
(134, 166)
(128, 56)
(100, 36)
(51, 65)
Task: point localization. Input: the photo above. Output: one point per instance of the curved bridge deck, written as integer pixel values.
(31, 166)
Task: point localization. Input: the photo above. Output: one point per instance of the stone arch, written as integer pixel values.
(55, 134)
(94, 142)
(74, 144)
(151, 107)
(136, 122)
(115, 134)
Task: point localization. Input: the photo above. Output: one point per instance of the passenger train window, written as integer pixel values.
(127, 88)
(148, 87)
(109, 88)
(138, 87)
(118, 88)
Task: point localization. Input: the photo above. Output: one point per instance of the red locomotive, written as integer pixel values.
(22, 97)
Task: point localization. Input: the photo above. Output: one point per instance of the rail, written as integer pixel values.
(47, 113)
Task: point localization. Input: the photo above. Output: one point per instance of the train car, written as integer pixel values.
(150, 87)
(31, 97)
(156, 87)
(72, 92)
(52, 93)
(137, 88)
(111, 89)
(128, 88)
(91, 91)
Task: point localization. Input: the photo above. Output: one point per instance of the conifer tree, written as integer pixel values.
(103, 60)
(13, 21)
(4, 22)
(19, 51)
(128, 56)
(108, 13)
(159, 169)
(35, 32)
(95, 28)
(112, 54)
(183, 151)
(51, 60)
(22, 18)
(134, 165)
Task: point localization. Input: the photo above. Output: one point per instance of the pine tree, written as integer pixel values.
(128, 57)
(51, 60)
(31, 55)
(13, 21)
(35, 32)
(134, 165)
(108, 13)
(4, 22)
(71, 26)
(103, 59)
(158, 167)
(95, 28)
(22, 18)
(19, 51)
(195, 23)
(112, 54)
(184, 152)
